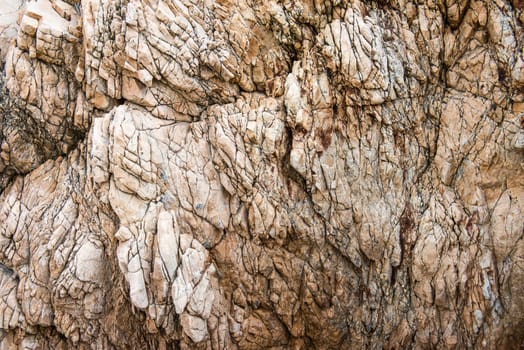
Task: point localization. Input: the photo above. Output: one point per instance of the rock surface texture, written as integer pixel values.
(239, 174)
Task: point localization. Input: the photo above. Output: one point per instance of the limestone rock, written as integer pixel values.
(243, 175)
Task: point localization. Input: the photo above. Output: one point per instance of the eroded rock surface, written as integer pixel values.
(272, 174)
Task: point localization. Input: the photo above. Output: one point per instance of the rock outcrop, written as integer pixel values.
(261, 174)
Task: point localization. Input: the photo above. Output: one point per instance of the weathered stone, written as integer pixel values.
(245, 175)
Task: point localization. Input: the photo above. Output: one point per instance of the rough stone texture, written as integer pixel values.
(261, 174)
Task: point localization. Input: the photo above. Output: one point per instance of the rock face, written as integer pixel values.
(261, 174)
